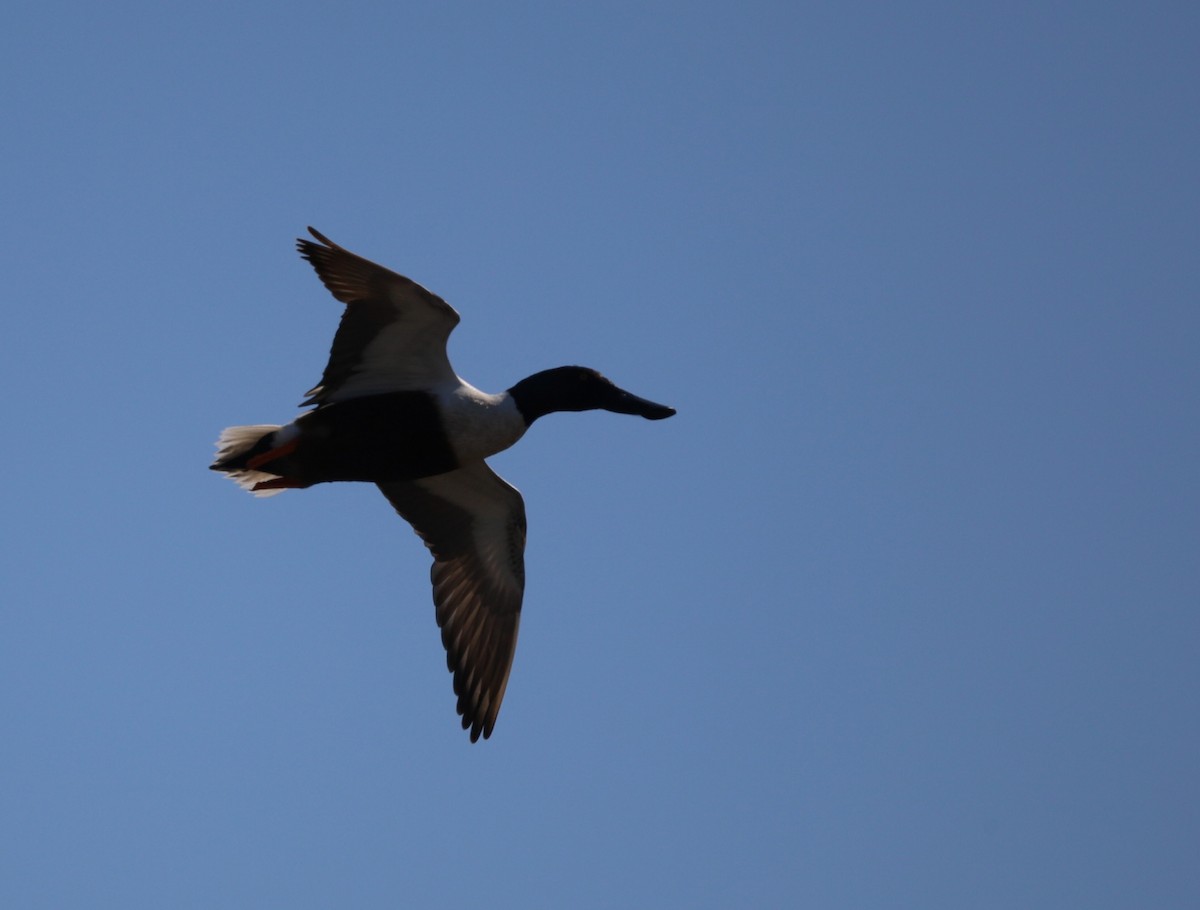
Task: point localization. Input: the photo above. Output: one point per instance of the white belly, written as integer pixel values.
(478, 424)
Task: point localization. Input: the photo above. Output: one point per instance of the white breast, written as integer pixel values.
(478, 424)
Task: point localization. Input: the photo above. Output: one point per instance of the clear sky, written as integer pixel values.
(899, 611)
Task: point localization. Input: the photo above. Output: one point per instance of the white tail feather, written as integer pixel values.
(236, 440)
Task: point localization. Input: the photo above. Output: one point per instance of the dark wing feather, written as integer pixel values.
(393, 333)
(474, 524)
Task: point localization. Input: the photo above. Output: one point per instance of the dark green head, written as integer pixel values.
(579, 389)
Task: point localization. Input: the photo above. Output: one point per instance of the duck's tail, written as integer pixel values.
(238, 449)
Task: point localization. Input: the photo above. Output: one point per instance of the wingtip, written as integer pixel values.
(307, 249)
(321, 237)
(476, 722)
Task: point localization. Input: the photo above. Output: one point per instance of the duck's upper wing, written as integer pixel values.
(474, 524)
(393, 332)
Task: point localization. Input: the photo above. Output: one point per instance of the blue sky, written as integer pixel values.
(899, 611)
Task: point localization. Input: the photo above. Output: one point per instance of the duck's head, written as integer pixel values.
(579, 389)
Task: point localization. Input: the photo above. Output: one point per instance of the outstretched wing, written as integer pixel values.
(393, 333)
(474, 524)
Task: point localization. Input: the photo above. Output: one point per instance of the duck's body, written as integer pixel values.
(379, 438)
(391, 411)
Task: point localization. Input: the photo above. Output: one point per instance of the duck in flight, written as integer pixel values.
(391, 411)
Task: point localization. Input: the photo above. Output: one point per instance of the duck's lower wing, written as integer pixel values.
(474, 524)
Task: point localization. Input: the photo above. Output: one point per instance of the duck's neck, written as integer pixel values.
(540, 394)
